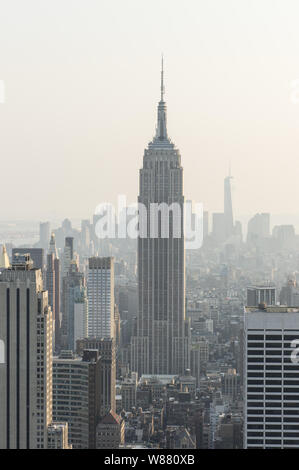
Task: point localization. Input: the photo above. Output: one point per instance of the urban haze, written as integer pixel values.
(149, 230)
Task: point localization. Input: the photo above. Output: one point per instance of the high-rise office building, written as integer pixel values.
(76, 395)
(26, 329)
(68, 254)
(106, 349)
(257, 295)
(228, 208)
(162, 342)
(258, 227)
(36, 255)
(100, 291)
(80, 316)
(289, 293)
(271, 378)
(50, 282)
(52, 246)
(230, 382)
(53, 250)
(285, 236)
(73, 293)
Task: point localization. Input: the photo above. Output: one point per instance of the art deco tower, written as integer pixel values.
(162, 342)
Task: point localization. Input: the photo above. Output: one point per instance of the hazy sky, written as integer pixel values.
(82, 86)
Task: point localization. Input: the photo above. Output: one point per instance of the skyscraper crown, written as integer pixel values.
(161, 139)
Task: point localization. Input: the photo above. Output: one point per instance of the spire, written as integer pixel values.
(161, 137)
(162, 80)
(4, 259)
(228, 207)
(52, 246)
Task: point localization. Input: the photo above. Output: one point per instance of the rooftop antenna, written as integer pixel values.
(162, 79)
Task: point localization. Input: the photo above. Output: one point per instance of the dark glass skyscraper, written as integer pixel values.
(162, 342)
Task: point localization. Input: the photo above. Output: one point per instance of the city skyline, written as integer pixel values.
(156, 304)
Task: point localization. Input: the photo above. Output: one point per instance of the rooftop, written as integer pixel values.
(272, 309)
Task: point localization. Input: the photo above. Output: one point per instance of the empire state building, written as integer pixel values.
(162, 343)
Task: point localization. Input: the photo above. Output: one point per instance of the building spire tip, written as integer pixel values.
(162, 78)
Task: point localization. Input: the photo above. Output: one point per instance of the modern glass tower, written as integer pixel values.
(161, 345)
(228, 208)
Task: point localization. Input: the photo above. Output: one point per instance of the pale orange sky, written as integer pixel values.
(82, 86)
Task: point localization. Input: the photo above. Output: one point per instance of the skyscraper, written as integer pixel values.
(106, 349)
(26, 376)
(68, 254)
(76, 395)
(162, 342)
(53, 250)
(271, 384)
(73, 292)
(258, 227)
(50, 282)
(100, 291)
(289, 293)
(228, 208)
(36, 255)
(257, 295)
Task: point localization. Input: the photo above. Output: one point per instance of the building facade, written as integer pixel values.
(76, 396)
(271, 378)
(26, 329)
(261, 294)
(58, 436)
(100, 292)
(106, 349)
(111, 432)
(162, 342)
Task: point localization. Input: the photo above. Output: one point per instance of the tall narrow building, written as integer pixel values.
(100, 290)
(50, 282)
(106, 349)
(57, 316)
(228, 208)
(26, 330)
(73, 287)
(68, 255)
(162, 342)
(76, 395)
